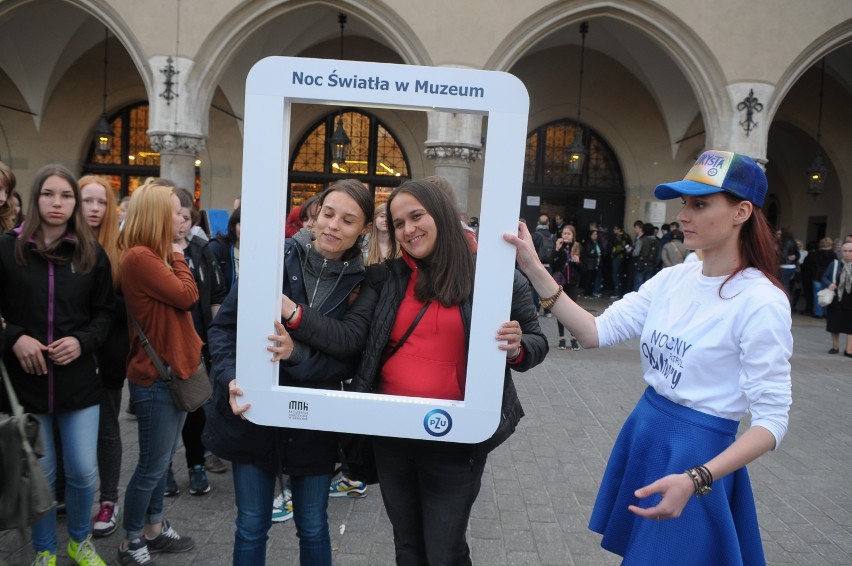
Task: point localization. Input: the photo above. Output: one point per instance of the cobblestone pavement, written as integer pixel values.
(539, 487)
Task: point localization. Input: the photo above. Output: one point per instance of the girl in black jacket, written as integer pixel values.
(321, 273)
(57, 299)
(566, 265)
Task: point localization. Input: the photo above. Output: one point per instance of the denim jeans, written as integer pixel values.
(618, 276)
(254, 490)
(819, 310)
(79, 437)
(159, 424)
(428, 490)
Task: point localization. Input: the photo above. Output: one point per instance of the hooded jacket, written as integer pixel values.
(48, 301)
(274, 449)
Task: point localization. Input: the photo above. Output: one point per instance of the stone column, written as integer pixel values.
(177, 119)
(178, 153)
(454, 142)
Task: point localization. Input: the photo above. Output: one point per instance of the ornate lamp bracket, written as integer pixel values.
(169, 72)
(751, 105)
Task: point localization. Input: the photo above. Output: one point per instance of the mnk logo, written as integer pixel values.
(438, 422)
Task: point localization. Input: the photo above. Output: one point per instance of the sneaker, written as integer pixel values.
(198, 484)
(549, 314)
(136, 554)
(345, 487)
(169, 541)
(212, 463)
(561, 344)
(171, 485)
(574, 344)
(106, 521)
(45, 558)
(84, 553)
(596, 295)
(282, 506)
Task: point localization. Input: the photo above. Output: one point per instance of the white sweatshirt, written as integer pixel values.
(721, 356)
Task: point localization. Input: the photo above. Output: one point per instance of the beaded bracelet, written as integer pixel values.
(701, 478)
(548, 303)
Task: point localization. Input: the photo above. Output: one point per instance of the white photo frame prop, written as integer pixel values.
(274, 84)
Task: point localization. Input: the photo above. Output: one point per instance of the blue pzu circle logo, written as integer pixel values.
(438, 422)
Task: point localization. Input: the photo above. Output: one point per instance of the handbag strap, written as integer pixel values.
(17, 410)
(834, 275)
(408, 332)
(149, 349)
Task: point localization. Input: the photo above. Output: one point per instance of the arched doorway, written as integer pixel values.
(594, 194)
(375, 157)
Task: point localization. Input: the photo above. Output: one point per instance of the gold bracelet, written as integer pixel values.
(548, 303)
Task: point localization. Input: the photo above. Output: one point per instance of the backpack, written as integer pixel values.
(647, 255)
(544, 246)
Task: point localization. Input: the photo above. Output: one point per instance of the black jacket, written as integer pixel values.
(49, 301)
(533, 341)
(561, 259)
(208, 277)
(274, 449)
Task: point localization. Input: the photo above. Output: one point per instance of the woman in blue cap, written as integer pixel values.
(715, 343)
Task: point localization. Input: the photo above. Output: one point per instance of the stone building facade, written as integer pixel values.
(662, 80)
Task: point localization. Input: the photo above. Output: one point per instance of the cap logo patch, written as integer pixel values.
(710, 168)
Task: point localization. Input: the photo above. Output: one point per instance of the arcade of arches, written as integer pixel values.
(660, 84)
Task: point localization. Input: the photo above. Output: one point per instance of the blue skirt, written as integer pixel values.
(661, 438)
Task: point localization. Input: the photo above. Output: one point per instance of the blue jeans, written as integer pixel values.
(79, 436)
(159, 425)
(428, 490)
(254, 489)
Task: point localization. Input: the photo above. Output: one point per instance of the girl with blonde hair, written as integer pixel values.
(380, 247)
(159, 291)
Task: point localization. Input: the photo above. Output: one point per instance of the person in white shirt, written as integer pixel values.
(715, 344)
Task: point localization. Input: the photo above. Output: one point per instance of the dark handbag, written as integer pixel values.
(25, 495)
(188, 393)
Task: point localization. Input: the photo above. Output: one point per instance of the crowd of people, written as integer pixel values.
(378, 299)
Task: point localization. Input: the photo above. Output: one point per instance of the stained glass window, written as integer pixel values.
(546, 163)
(374, 156)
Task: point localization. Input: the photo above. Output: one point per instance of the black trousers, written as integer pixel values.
(428, 490)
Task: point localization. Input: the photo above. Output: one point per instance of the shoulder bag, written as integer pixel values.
(25, 495)
(826, 296)
(188, 393)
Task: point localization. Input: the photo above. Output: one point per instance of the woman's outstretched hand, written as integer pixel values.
(676, 490)
(526, 254)
(234, 391)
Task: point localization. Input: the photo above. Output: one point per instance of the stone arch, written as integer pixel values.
(692, 56)
(110, 17)
(225, 40)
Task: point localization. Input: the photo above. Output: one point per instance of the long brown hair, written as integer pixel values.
(374, 250)
(447, 273)
(576, 249)
(85, 249)
(757, 245)
(108, 230)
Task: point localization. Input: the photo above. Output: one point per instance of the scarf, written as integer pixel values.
(844, 283)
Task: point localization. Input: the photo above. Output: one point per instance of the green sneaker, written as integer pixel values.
(84, 553)
(45, 558)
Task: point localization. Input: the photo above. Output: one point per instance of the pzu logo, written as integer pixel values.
(438, 422)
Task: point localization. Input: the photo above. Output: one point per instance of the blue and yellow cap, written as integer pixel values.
(718, 171)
